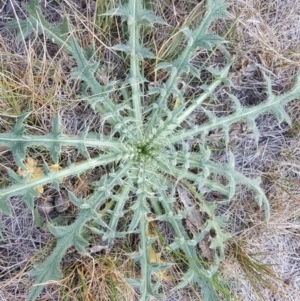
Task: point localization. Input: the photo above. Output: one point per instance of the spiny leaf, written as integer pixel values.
(4, 207)
(142, 16)
(35, 172)
(192, 277)
(36, 21)
(21, 187)
(50, 270)
(16, 144)
(246, 114)
(23, 27)
(218, 236)
(86, 69)
(206, 41)
(140, 52)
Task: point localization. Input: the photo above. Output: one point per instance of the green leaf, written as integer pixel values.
(23, 27)
(142, 16)
(49, 270)
(140, 52)
(205, 40)
(36, 21)
(38, 220)
(4, 207)
(27, 190)
(219, 236)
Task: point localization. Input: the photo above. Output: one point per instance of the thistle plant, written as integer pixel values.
(153, 147)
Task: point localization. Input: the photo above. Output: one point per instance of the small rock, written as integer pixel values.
(61, 203)
(45, 205)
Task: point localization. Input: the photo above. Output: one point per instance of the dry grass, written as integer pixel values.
(267, 39)
(35, 76)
